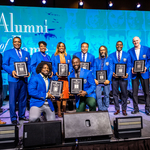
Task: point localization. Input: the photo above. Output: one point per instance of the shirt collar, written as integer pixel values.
(43, 76)
(17, 49)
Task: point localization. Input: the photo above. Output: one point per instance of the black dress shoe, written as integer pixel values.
(24, 119)
(147, 112)
(15, 122)
(134, 112)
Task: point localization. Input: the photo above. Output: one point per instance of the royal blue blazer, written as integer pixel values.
(56, 60)
(10, 56)
(35, 60)
(125, 59)
(144, 55)
(108, 66)
(90, 58)
(37, 91)
(89, 83)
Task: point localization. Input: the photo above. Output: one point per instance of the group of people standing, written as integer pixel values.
(42, 73)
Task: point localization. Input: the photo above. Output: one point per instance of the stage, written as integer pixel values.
(5, 116)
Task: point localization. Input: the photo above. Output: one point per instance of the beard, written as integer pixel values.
(76, 70)
(102, 55)
(45, 75)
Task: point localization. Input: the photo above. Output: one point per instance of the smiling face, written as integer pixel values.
(45, 70)
(42, 48)
(17, 43)
(136, 42)
(119, 46)
(102, 51)
(84, 48)
(76, 64)
(61, 48)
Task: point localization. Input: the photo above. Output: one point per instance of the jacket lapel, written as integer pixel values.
(43, 82)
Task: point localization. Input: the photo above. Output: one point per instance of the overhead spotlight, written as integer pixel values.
(12, 1)
(80, 4)
(110, 4)
(44, 2)
(138, 5)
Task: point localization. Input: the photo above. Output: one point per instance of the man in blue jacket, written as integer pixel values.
(40, 95)
(17, 85)
(120, 57)
(84, 56)
(87, 95)
(139, 52)
(103, 62)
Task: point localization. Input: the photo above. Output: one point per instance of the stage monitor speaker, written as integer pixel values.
(8, 136)
(128, 127)
(86, 125)
(42, 134)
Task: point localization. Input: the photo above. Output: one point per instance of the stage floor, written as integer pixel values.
(5, 116)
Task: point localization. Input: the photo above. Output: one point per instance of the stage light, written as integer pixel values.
(138, 5)
(80, 4)
(12, 1)
(110, 3)
(44, 2)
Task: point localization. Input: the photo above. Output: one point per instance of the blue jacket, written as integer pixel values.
(56, 60)
(108, 65)
(125, 59)
(37, 91)
(35, 60)
(89, 83)
(10, 56)
(90, 58)
(144, 55)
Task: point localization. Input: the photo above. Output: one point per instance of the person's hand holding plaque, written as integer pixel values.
(124, 77)
(144, 70)
(70, 94)
(14, 74)
(57, 75)
(27, 75)
(50, 95)
(133, 71)
(96, 82)
(114, 75)
(82, 93)
(106, 82)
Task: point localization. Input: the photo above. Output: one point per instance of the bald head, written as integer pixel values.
(136, 42)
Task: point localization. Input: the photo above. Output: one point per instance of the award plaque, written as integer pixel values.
(50, 64)
(76, 85)
(85, 65)
(56, 88)
(139, 65)
(120, 70)
(21, 69)
(101, 76)
(63, 70)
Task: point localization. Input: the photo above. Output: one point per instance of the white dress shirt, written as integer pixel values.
(137, 52)
(46, 83)
(120, 54)
(19, 52)
(85, 56)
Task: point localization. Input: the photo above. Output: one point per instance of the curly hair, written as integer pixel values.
(40, 66)
(42, 42)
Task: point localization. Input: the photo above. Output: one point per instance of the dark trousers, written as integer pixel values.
(123, 86)
(17, 91)
(90, 101)
(135, 87)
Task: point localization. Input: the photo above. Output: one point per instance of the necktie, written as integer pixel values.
(118, 56)
(19, 55)
(102, 63)
(83, 57)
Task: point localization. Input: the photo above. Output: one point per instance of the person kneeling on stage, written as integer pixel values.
(87, 95)
(40, 95)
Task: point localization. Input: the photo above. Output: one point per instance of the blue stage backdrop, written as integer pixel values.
(71, 26)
